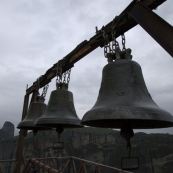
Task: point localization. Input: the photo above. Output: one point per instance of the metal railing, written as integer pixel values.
(70, 166)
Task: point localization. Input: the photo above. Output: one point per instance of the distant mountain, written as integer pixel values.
(7, 131)
(155, 151)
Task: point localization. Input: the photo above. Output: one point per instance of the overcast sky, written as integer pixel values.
(35, 34)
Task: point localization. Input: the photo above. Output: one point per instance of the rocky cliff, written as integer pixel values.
(7, 131)
(155, 151)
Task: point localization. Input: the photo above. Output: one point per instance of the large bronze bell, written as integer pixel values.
(124, 100)
(60, 112)
(36, 109)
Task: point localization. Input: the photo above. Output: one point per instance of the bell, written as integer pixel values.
(124, 100)
(60, 112)
(36, 109)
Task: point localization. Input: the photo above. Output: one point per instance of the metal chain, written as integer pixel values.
(107, 46)
(115, 43)
(64, 75)
(45, 90)
(123, 42)
(68, 77)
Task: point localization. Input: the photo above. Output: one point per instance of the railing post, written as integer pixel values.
(82, 168)
(97, 170)
(73, 165)
(65, 167)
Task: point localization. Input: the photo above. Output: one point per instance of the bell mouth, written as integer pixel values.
(135, 117)
(29, 125)
(58, 122)
(134, 124)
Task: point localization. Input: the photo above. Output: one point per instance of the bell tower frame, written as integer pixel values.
(137, 12)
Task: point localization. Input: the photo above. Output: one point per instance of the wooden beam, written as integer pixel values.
(155, 26)
(86, 47)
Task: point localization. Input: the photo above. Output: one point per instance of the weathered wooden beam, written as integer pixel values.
(86, 47)
(154, 25)
(79, 52)
(43, 166)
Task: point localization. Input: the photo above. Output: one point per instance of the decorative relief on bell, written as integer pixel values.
(60, 98)
(123, 92)
(135, 80)
(52, 108)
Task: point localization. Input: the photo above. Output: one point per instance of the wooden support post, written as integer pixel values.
(154, 25)
(22, 134)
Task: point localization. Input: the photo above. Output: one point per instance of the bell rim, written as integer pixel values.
(29, 125)
(99, 118)
(119, 123)
(55, 122)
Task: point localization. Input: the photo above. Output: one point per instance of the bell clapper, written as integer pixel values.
(129, 146)
(35, 132)
(127, 133)
(59, 130)
(58, 145)
(128, 163)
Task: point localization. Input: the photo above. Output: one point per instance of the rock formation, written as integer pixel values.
(105, 146)
(7, 131)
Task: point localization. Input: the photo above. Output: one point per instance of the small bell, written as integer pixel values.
(36, 109)
(60, 112)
